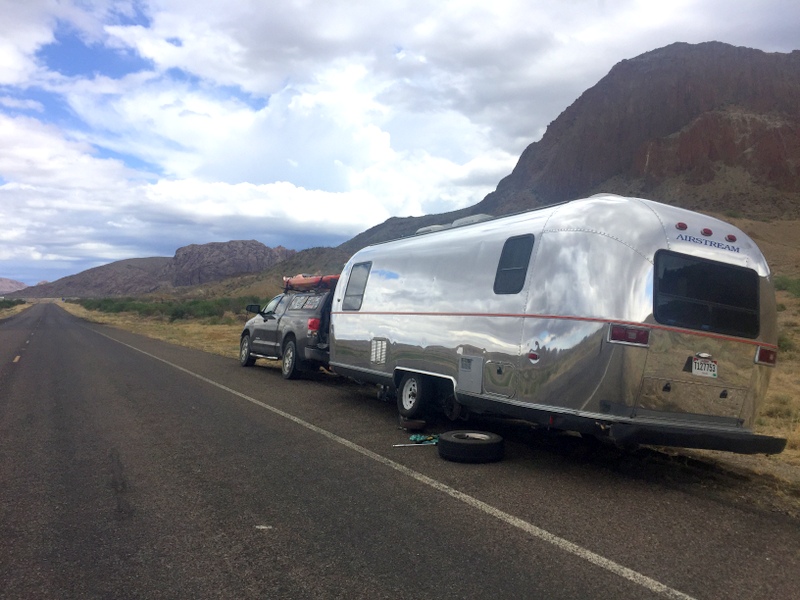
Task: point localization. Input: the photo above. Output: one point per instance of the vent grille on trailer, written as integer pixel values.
(378, 352)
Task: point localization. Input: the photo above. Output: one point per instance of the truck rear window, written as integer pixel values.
(705, 295)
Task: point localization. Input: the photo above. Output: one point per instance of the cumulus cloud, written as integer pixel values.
(132, 127)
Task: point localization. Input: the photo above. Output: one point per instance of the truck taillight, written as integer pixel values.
(623, 334)
(766, 356)
(313, 326)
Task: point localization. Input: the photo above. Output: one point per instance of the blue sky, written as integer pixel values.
(131, 128)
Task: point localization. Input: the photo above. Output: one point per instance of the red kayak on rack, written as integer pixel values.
(308, 282)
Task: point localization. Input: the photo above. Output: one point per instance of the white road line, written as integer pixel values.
(565, 545)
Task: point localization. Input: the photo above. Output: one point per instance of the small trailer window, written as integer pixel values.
(706, 295)
(513, 266)
(354, 294)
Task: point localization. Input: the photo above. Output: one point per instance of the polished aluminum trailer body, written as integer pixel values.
(565, 316)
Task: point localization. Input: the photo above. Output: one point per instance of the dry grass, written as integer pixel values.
(9, 312)
(222, 339)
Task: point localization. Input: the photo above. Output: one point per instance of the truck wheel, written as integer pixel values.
(290, 367)
(471, 446)
(245, 358)
(412, 395)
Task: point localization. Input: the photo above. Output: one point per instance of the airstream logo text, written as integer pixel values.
(705, 242)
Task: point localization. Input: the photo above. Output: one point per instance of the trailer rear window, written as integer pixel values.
(354, 293)
(513, 266)
(705, 295)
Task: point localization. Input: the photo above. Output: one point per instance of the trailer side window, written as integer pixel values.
(354, 293)
(513, 266)
(706, 295)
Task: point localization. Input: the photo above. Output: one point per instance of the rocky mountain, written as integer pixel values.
(197, 264)
(9, 285)
(709, 127)
(191, 265)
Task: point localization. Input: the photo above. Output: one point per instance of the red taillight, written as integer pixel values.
(629, 335)
(730, 238)
(313, 326)
(681, 226)
(766, 356)
(706, 231)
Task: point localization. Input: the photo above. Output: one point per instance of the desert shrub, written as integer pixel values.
(785, 343)
(11, 303)
(784, 283)
(171, 309)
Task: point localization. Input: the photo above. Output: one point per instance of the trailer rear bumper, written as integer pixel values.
(741, 442)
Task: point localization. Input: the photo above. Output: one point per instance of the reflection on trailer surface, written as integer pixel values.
(616, 317)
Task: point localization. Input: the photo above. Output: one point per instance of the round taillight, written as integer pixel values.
(681, 226)
(706, 231)
(730, 238)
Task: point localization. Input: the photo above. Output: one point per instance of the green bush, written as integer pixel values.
(788, 284)
(785, 343)
(171, 309)
(11, 303)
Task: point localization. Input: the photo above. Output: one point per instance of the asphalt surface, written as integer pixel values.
(131, 468)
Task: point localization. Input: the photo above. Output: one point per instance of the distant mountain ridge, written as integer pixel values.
(192, 265)
(10, 285)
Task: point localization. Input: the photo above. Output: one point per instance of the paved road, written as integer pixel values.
(130, 468)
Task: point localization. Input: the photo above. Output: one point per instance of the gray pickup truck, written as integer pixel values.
(293, 328)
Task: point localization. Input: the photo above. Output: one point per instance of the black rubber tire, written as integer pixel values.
(469, 446)
(412, 395)
(245, 358)
(290, 364)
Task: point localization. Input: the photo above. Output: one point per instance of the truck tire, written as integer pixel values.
(412, 395)
(471, 446)
(245, 358)
(290, 365)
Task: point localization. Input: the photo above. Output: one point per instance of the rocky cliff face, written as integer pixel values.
(707, 126)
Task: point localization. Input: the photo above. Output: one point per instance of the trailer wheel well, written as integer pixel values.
(442, 383)
(432, 387)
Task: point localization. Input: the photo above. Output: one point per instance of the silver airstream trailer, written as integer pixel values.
(621, 318)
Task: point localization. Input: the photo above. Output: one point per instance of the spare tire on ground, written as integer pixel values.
(471, 446)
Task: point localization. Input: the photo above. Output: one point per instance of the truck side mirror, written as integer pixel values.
(253, 308)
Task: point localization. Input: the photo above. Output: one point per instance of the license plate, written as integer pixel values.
(704, 367)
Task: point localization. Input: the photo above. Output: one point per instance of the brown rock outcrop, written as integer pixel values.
(667, 124)
(200, 263)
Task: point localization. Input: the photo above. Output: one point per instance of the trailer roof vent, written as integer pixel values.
(471, 219)
(430, 229)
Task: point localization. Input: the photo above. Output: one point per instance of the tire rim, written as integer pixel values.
(410, 394)
(245, 352)
(288, 359)
(472, 435)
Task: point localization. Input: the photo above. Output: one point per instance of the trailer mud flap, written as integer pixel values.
(625, 434)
